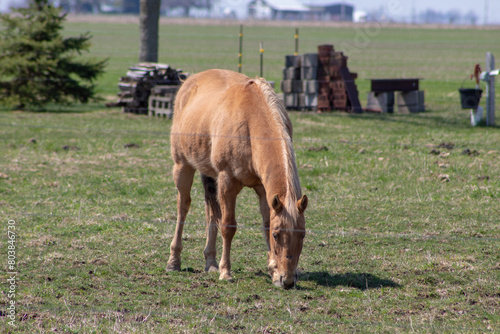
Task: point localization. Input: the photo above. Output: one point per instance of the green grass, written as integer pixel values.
(390, 247)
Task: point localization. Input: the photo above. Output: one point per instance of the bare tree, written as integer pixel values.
(454, 16)
(470, 17)
(149, 20)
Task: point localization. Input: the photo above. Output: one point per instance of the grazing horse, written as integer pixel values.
(236, 132)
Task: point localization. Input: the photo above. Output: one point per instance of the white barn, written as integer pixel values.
(277, 10)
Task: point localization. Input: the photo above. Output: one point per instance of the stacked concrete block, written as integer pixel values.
(380, 102)
(382, 96)
(411, 102)
(299, 84)
(319, 81)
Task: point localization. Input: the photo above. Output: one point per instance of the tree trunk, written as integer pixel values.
(149, 20)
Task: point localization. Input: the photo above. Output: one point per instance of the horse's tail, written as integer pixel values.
(212, 208)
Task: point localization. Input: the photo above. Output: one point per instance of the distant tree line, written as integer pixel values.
(453, 16)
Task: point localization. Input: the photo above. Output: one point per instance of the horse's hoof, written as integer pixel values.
(226, 277)
(173, 267)
(211, 268)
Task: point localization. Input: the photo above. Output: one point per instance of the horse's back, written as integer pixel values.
(204, 88)
(207, 120)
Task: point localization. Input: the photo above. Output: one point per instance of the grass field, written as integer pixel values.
(399, 239)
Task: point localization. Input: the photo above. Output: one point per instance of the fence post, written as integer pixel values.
(490, 90)
(261, 59)
(296, 53)
(240, 54)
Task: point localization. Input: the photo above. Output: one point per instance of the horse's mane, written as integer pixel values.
(280, 115)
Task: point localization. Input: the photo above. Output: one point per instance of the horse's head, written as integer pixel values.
(286, 236)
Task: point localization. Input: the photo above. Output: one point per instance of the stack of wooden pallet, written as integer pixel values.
(319, 81)
(147, 86)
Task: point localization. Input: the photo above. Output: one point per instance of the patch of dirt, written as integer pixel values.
(131, 145)
(448, 146)
(470, 153)
(317, 149)
(43, 241)
(99, 262)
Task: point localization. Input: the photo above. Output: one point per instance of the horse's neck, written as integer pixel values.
(272, 154)
(273, 166)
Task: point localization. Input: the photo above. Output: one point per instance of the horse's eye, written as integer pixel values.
(275, 236)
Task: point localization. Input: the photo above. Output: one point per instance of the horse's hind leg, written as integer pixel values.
(183, 178)
(212, 216)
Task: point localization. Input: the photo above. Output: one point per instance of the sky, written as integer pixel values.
(399, 9)
(403, 8)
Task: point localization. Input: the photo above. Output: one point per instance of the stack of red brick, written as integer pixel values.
(332, 80)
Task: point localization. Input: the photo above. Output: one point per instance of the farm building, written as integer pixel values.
(294, 10)
(277, 10)
(98, 6)
(333, 12)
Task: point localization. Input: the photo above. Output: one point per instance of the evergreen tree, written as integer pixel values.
(39, 66)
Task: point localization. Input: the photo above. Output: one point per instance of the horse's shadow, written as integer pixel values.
(361, 281)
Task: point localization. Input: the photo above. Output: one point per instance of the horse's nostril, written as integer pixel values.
(289, 257)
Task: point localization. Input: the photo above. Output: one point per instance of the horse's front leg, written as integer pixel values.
(265, 212)
(228, 189)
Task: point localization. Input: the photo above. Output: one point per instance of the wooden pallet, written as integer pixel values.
(352, 91)
(161, 101)
(161, 106)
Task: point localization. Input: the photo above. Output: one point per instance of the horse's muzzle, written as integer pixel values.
(286, 282)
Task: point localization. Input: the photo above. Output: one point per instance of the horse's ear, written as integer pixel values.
(276, 204)
(302, 204)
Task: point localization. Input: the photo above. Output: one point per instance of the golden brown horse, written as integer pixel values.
(236, 132)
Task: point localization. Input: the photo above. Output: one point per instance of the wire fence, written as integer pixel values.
(167, 134)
